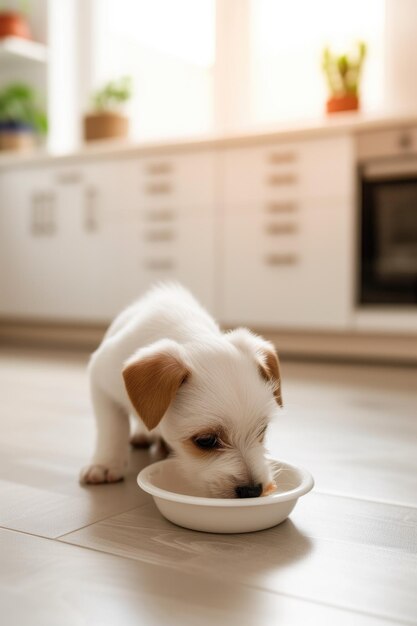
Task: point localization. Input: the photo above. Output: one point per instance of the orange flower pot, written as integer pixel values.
(14, 24)
(337, 104)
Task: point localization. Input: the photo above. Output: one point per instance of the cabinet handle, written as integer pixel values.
(156, 169)
(90, 210)
(68, 178)
(49, 221)
(160, 215)
(42, 220)
(35, 214)
(286, 228)
(281, 259)
(275, 180)
(162, 234)
(281, 207)
(155, 189)
(281, 157)
(159, 264)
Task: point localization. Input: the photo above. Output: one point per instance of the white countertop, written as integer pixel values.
(353, 123)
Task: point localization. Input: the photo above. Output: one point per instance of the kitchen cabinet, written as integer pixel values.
(82, 241)
(64, 250)
(287, 243)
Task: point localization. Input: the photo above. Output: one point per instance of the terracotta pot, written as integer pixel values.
(18, 141)
(336, 104)
(105, 125)
(14, 25)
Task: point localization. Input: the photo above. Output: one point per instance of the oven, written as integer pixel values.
(388, 230)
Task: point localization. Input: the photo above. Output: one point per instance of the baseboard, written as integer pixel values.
(69, 335)
(353, 346)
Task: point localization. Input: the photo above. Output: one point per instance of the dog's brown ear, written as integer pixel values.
(152, 382)
(270, 370)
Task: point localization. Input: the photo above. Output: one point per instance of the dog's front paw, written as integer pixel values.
(97, 474)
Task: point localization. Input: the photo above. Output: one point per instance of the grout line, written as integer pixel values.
(58, 537)
(25, 532)
(388, 620)
(334, 494)
(103, 519)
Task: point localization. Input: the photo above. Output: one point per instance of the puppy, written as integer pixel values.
(209, 395)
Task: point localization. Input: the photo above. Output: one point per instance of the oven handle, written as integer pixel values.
(390, 168)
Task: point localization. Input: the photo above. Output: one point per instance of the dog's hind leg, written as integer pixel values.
(110, 459)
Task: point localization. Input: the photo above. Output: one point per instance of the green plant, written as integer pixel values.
(343, 71)
(113, 94)
(19, 106)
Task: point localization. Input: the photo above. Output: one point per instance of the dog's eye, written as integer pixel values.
(207, 442)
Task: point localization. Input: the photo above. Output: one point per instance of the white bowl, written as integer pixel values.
(176, 501)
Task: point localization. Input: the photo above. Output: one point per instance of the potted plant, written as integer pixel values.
(106, 121)
(13, 23)
(343, 73)
(22, 119)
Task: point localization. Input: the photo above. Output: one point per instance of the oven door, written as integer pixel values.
(388, 240)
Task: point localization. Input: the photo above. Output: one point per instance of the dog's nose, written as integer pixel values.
(249, 491)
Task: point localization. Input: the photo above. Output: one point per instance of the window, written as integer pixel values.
(286, 42)
(168, 47)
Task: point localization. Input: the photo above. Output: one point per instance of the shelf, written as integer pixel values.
(16, 49)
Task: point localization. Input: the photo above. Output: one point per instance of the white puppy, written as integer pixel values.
(209, 395)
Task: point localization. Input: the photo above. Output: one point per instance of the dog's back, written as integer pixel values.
(167, 311)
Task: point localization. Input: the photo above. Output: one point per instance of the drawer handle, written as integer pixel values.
(160, 215)
(69, 178)
(166, 234)
(281, 259)
(155, 189)
(281, 179)
(159, 264)
(156, 169)
(281, 207)
(90, 210)
(286, 228)
(36, 221)
(282, 157)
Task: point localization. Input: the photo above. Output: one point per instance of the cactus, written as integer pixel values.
(343, 71)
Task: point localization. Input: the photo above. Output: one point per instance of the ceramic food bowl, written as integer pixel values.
(179, 504)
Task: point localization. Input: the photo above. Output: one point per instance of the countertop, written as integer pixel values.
(342, 123)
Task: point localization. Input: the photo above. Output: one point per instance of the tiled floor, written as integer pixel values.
(72, 555)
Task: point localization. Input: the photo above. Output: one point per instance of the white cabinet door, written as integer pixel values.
(287, 248)
(70, 248)
(108, 239)
(30, 246)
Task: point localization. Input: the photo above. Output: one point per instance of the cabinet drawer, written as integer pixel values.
(298, 280)
(169, 181)
(387, 143)
(281, 174)
(188, 258)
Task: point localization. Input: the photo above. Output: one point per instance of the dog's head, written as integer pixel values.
(216, 400)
